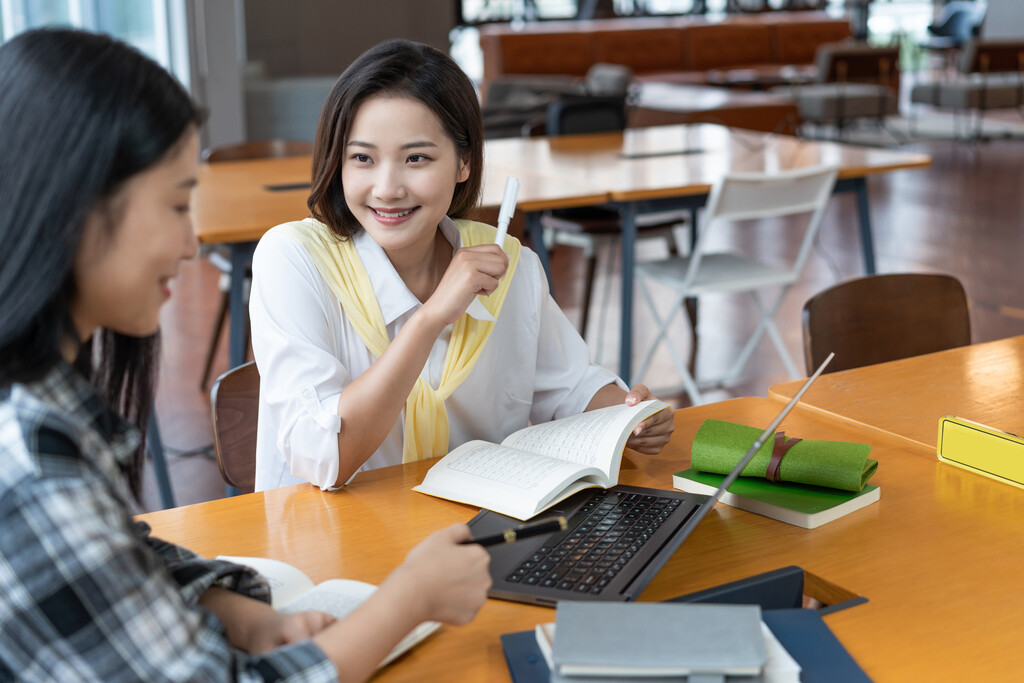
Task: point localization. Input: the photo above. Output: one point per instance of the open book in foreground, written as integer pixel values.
(538, 466)
(292, 591)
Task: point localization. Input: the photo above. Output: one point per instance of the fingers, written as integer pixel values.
(452, 576)
(457, 533)
(484, 264)
(473, 271)
(637, 394)
(651, 435)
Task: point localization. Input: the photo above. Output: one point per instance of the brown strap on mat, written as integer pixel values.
(779, 449)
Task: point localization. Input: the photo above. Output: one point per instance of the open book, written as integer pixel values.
(540, 465)
(293, 591)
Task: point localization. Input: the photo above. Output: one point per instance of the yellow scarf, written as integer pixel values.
(426, 420)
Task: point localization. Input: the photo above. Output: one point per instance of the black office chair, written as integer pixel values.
(957, 23)
(588, 227)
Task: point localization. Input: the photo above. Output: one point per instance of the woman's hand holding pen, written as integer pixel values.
(472, 271)
(651, 435)
(446, 579)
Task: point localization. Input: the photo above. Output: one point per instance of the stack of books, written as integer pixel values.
(667, 641)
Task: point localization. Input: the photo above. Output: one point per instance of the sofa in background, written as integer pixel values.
(676, 49)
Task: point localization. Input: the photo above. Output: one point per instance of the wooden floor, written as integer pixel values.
(962, 216)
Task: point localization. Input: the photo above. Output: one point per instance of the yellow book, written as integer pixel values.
(991, 452)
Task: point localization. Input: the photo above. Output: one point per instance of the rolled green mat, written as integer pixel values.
(719, 445)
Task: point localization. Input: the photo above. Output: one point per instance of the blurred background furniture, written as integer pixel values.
(880, 318)
(737, 197)
(234, 404)
(590, 228)
(990, 76)
(672, 49)
(660, 104)
(854, 81)
(265, 149)
(956, 24)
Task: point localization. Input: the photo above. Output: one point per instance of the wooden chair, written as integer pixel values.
(263, 149)
(234, 402)
(880, 318)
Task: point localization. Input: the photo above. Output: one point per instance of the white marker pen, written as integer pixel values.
(508, 207)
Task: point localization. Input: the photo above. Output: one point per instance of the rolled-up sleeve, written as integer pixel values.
(565, 380)
(296, 340)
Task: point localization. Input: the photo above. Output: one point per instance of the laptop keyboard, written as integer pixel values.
(603, 535)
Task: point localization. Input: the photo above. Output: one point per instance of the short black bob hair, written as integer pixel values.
(80, 114)
(397, 68)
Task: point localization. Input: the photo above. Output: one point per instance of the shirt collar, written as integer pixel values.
(393, 296)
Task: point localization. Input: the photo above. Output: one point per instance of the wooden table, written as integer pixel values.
(937, 557)
(762, 76)
(906, 398)
(634, 170)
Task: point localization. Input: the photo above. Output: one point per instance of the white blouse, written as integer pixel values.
(534, 368)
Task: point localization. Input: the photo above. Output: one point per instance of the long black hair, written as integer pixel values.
(80, 114)
(398, 68)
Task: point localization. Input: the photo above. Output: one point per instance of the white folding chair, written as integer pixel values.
(738, 196)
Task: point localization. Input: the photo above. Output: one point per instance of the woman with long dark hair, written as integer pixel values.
(98, 159)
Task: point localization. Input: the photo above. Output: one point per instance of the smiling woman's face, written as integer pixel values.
(399, 173)
(122, 275)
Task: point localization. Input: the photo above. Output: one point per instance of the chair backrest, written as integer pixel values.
(959, 20)
(850, 62)
(261, 149)
(234, 402)
(880, 318)
(748, 196)
(576, 114)
(992, 56)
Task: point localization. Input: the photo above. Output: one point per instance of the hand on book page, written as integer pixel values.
(294, 594)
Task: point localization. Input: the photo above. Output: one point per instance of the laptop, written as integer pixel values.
(616, 541)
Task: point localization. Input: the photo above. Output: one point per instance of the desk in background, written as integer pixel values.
(905, 398)
(634, 170)
(647, 168)
(938, 556)
(660, 104)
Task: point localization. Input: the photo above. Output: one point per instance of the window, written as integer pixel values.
(156, 27)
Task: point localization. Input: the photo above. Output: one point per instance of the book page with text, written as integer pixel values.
(515, 483)
(595, 438)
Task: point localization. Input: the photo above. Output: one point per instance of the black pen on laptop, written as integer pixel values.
(523, 531)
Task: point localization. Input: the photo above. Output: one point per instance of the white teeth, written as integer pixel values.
(397, 214)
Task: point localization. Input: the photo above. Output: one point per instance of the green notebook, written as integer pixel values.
(798, 504)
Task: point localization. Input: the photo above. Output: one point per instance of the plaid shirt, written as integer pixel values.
(85, 592)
